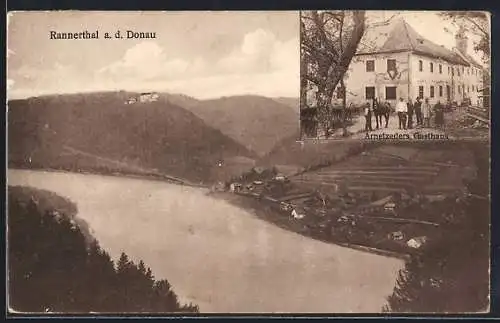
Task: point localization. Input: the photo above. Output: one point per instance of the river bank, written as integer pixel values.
(144, 175)
(267, 213)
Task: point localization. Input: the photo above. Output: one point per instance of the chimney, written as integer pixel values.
(461, 40)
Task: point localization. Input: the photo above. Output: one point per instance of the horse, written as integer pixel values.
(383, 109)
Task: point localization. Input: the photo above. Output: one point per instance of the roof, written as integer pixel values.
(399, 36)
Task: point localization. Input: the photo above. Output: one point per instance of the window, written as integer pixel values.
(458, 71)
(421, 92)
(390, 93)
(448, 91)
(448, 70)
(468, 71)
(370, 92)
(391, 65)
(458, 89)
(440, 69)
(473, 88)
(463, 70)
(420, 66)
(468, 89)
(431, 66)
(452, 71)
(440, 91)
(463, 89)
(432, 91)
(370, 66)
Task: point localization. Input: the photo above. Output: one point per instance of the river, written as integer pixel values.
(216, 255)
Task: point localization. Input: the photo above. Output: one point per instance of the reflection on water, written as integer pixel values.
(216, 255)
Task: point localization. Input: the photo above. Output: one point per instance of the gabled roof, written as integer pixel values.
(399, 36)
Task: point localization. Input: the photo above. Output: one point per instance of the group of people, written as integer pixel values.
(407, 113)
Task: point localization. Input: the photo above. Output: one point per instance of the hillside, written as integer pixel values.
(50, 252)
(309, 153)
(290, 102)
(155, 135)
(256, 122)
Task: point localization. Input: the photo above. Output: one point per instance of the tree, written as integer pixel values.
(329, 40)
(53, 267)
(476, 23)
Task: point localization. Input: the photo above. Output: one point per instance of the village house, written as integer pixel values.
(394, 61)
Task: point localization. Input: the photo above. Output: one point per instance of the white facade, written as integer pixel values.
(360, 77)
(416, 75)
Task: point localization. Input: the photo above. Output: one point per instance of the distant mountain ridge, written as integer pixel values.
(256, 122)
(293, 103)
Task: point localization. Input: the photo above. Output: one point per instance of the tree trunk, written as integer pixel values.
(337, 72)
(332, 68)
(344, 107)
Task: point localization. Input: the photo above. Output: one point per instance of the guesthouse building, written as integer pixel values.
(394, 61)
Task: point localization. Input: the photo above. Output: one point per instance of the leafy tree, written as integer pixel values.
(329, 40)
(476, 23)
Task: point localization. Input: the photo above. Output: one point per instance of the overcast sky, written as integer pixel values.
(195, 53)
(202, 54)
(429, 25)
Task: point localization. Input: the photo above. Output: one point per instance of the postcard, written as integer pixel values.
(260, 162)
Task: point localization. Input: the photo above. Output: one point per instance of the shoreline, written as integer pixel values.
(257, 209)
(144, 176)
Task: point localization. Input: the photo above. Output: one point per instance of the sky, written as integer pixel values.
(429, 25)
(201, 54)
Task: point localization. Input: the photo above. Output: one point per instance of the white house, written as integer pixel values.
(416, 242)
(394, 61)
(148, 97)
(143, 98)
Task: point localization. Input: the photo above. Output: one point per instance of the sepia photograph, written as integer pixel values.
(404, 75)
(161, 163)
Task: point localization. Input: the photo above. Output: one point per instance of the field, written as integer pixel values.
(390, 169)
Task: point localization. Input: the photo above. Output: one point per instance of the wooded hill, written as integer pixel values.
(155, 135)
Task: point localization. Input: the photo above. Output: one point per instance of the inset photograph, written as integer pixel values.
(395, 75)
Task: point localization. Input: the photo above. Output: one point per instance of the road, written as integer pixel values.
(127, 166)
(358, 129)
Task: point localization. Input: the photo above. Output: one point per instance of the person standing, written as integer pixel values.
(368, 117)
(426, 113)
(418, 111)
(410, 113)
(402, 109)
(439, 115)
(375, 111)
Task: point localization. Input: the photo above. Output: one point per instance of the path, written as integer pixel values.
(127, 166)
(393, 129)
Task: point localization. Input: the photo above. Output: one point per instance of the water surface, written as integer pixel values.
(216, 255)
